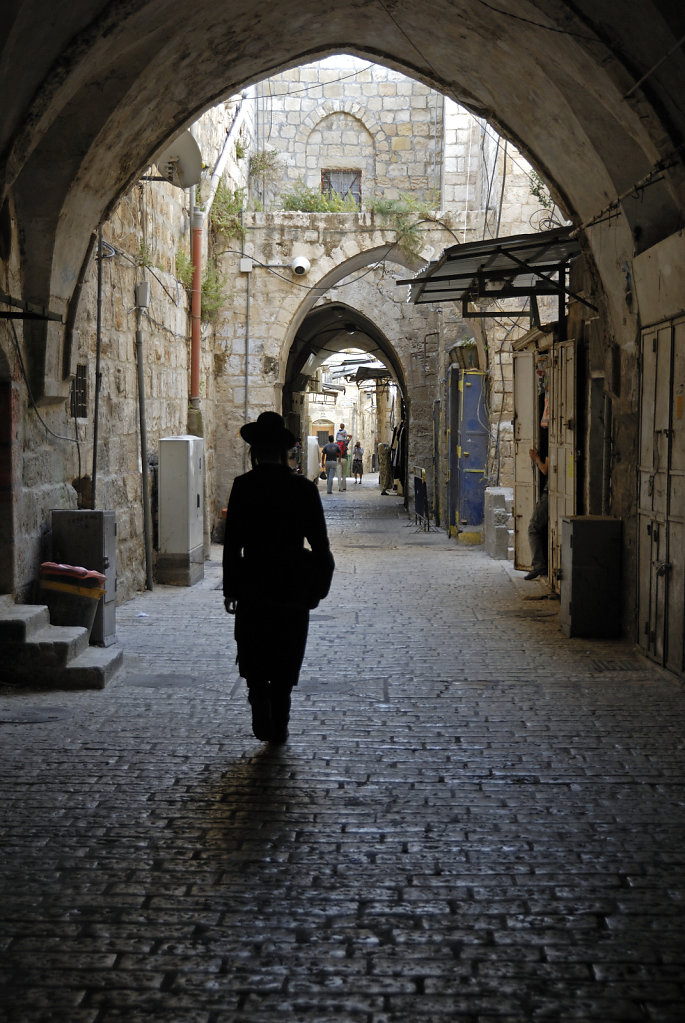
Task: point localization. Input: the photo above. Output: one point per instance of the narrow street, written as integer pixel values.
(474, 819)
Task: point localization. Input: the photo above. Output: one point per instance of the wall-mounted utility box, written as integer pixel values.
(181, 511)
(590, 584)
(88, 539)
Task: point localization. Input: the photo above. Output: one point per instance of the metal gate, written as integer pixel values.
(562, 450)
(661, 501)
(525, 408)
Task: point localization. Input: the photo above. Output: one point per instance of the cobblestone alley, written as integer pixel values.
(475, 819)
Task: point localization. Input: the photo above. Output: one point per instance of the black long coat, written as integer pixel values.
(271, 511)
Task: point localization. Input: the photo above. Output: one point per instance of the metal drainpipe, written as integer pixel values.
(98, 375)
(147, 516)
(196, 308)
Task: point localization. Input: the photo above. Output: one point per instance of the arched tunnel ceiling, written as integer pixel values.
(331, 329)
(590, 90)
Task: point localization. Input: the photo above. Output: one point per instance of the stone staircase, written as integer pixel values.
(39, 656)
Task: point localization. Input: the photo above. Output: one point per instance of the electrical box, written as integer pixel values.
(181, 511)
(590, 584)
(88, 538)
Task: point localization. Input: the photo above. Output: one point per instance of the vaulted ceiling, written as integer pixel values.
(591, 91)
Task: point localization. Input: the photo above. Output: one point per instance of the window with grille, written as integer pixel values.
(345, 182)
(79, 396)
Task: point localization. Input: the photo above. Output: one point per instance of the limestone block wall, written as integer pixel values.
(338, 113)
(343, 113)
(258, 324)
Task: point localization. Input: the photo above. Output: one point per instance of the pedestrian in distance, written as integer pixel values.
(270, 579)
(330, 454)
(357, 462)
(342, 439)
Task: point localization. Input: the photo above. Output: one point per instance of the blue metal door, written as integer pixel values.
(452, 458)
(472, 455)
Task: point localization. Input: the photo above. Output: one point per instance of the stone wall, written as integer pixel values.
(341, 114)
(344, 113)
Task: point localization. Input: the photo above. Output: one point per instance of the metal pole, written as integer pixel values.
(246, 409)
(147, 517)
(98, 374)
(196, 308)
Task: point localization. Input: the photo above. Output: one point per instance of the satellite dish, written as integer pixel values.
(181, 162)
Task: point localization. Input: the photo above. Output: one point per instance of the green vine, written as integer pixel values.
(225, 214)
(184, 269)
(266, 164)
(405, 214)
(539, 189)
(304, 199)
(214, 293)
(144, 255)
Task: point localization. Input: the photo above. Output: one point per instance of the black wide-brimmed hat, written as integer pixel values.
(269, 429)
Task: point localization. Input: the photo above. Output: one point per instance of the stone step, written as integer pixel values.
(90, 670)
(40, 656)
(50, 648)
(20, 622)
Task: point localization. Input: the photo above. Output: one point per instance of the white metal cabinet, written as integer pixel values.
(181, 513)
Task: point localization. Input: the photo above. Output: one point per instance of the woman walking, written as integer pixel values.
(357, 462)
(270, 579)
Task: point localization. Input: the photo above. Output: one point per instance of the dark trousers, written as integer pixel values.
(270, 702)
(537, 534)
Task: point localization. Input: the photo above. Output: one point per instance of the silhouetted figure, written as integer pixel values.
(270, 580)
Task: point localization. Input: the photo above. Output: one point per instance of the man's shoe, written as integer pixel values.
(532, 575)
(262, 725)
(278, 737)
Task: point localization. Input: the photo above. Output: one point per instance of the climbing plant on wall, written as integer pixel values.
(225, 215)
(405, 214)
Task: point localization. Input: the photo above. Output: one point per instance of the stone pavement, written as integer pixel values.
(475, 819)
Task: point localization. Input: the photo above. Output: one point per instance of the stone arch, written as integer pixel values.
(77, 130)
(342, 106)
(6, 478)
(324, 154)
(355, 257)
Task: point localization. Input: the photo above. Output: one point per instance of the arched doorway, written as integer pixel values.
(334, 329)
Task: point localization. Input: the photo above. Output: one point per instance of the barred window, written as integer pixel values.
(344, 182)
(79, 393)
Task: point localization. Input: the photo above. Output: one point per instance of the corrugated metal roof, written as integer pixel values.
(522, 264)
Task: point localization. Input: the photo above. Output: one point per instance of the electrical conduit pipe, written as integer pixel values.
(196, 308)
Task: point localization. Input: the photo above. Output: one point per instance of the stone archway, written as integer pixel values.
(77, 129)
(6, 479)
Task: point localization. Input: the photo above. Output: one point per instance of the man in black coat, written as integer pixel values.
(270, 580)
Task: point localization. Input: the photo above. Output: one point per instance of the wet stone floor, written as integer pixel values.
(475, 819)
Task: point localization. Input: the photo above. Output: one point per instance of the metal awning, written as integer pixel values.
(524, 265)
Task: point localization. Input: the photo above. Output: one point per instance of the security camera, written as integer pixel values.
(300, 265)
